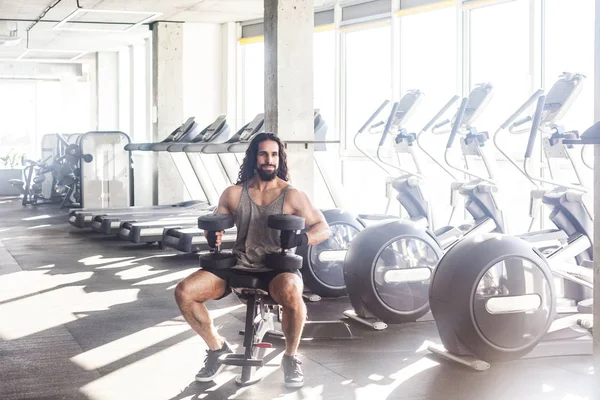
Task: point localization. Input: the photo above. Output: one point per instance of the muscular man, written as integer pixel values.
(262, 189)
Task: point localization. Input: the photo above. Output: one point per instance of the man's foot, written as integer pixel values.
(212, 366)
(292, 373)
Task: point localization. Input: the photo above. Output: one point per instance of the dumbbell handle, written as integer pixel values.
(217, 249)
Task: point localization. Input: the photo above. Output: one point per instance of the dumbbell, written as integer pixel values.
(216, 259)
(284, 259)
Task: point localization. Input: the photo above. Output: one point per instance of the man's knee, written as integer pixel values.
(183, 292)
(200, 287)
(287, 288)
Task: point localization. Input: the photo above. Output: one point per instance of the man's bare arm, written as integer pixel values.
(224, 202)
(318, 228)
(224, 207)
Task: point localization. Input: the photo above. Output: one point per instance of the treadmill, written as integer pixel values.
(191, 239)
(148, 231)
(82, 218)
(110, 223)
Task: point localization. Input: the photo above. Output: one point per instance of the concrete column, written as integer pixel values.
(597, 200)
(107, 89)
(167, 94)
(91, 71)
(289, 83)
(230, 70)
(139, 130)
(125, 89)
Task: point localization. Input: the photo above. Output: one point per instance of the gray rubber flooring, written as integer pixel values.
(88, 316)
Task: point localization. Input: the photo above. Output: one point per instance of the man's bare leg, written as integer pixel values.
(286, 290)
(190, 294)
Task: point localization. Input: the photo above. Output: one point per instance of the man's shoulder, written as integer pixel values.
(232, 192)
(233, 189)
(295, 195)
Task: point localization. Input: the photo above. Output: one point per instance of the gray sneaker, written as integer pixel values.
(212, 366)
(292, 373)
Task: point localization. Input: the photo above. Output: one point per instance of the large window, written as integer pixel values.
(367, 75)
(569, 47)
(253, 91)
(368, 83)
(428, 62)
(428, 59)
(18, 119)
(323, 77)
(499, 54)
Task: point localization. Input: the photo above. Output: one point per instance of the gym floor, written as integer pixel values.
(87, 316)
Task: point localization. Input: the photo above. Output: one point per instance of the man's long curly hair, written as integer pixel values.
(248, 169)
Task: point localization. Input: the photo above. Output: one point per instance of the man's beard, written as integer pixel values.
(267, 175)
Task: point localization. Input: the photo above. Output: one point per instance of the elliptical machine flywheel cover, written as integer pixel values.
(492, 297)
(323, 264)
(388, 268)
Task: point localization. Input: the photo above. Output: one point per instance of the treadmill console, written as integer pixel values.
(252, 128)
(213, 129)
(178, 133)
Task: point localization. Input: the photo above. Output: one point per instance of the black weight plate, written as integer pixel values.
(285, 222)
(223, 260)
(287, 261)
(215, 222)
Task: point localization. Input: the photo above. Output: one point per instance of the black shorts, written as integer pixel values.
(264, 277)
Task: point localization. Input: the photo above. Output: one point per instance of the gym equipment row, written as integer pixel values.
(389, 267)
(79, 170)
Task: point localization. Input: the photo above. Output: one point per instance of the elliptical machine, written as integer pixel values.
(500, 302)
(388, 266)
(323, 269)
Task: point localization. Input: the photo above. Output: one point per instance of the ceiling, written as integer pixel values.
(104, 25)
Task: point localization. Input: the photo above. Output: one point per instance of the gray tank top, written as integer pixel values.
(254, 237)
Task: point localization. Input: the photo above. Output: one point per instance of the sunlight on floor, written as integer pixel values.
(425, 346)
(131, 262)
(173, 277)
(379, 391)
(547, 388)
(40, 226)
(140, 271)
(138, 341)
(46, 266)
(146, 378)
(25, 283)
(54, 308)
(99, 260)
(46, 216)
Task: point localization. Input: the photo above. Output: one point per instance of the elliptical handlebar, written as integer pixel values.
(523, 107)
(535, 126)
(437, 116)
(513, 124)
(457, 122)
(455, 128)
(388, 124)
(386, 131)
(372, 117)
(364, 127)
(440, 113)
(537, 118)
